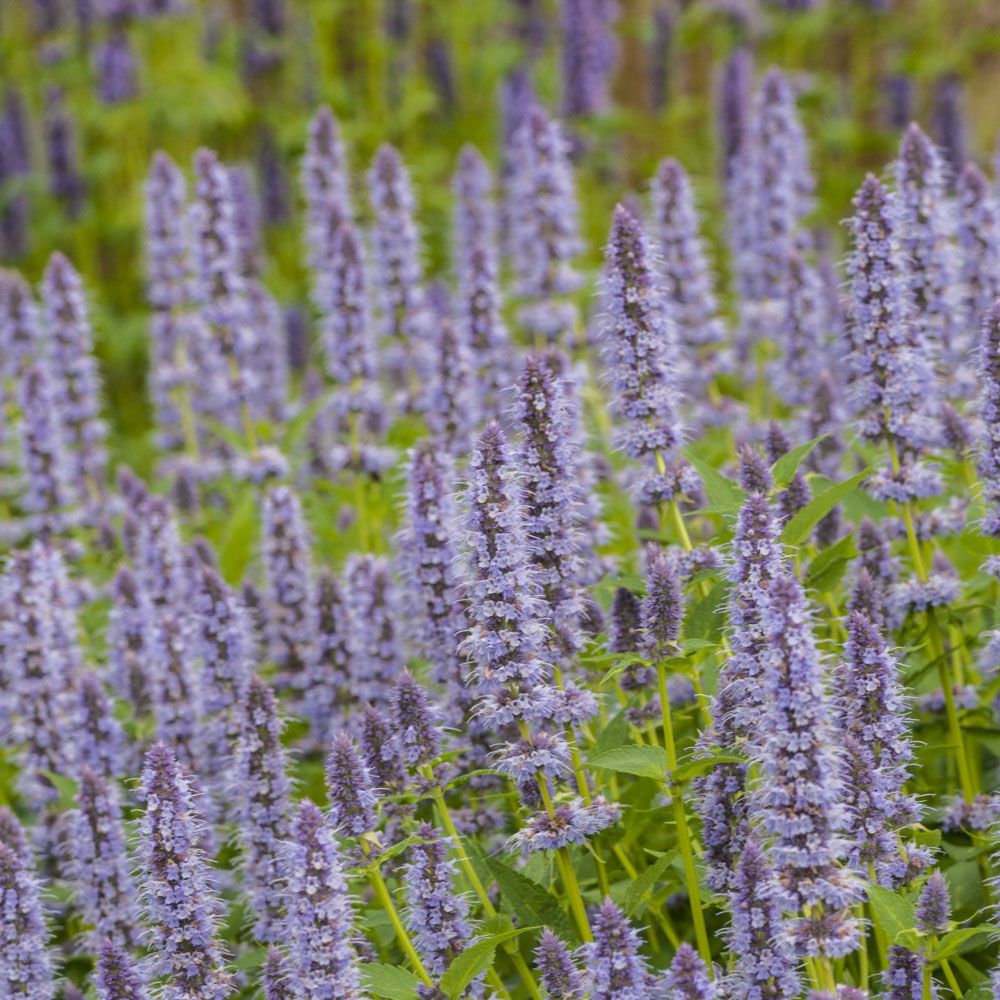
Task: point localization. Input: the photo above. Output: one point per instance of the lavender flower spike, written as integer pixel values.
(178, 897)
(799, 798)
(25, 966)
(263, 812)
(556, 968)
(688, 979)
(43, 448)
(903, 978)
(74, 369)
(274, 976)
(320, 918)
(20, 325)
(414, 719)
(989, 446)
(589, 50)
(934, 907)
(640, 353)
(979, 244)
(100, 863)
(116, 977)
(291, 612)
(616, 970)
(349, 789)
(437, 916)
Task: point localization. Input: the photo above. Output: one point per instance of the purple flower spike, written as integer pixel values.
(414, 721)
(275, 976)
(129, 669)
(589, 52)
(167, 265)
(319, 927)
(478, 313)
(544, 225)
(100, 739)
(376, 653)
(799, 798)
(349, 788)
(979, 244)
(449, 393)
(934, 906)
(797, 493)
(989, 445)
(549, 460)
(437, 916)
(765, 967)
(688, 282)
(20, 325)
(291, 611)
(735, 89)
(626, 620)
(116, 977)
(74, 368)
(894, 377)
(755, 476)
(114, 64)
(904, 978)
(328, 205)
(25, 966)
(556, 968)
(263, 810)
(872, 710)
(328, 690)
(506, 638)
(160, 556)
(640, 353)
(802, 333)
(662, 607)
(688, 979)
(99, 862)
(380, 749)
(179, 899)
(47, 464)
(616, 970)
(427, 563)
(66, 183)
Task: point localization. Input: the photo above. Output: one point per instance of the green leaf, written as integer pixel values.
(614, 734)
(702, 765)
(253, 959)
(66, 787)
(722, 493)
(647, 879)
(690, 646)
(475, 959)
(953, 940)
(627, 659)
(644, 761)
(237, 547)
(892, 913)
(798, 528)
(705, 619)
(529, 900)
(389, 981)
(783, 471)
(826, 569)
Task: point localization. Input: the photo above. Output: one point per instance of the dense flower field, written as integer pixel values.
(539, 617)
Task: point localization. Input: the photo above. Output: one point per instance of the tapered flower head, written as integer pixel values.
(934, 907)
(589, 49)
(687, 978)
(903, 978)
(662, 607)
(557, 969)
(376, 649)
(615, 968)
(116, 976)
(25, 966)
(414, 720)
(380, 749)
(349, 787)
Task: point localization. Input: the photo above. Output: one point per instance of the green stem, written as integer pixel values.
(382, 892)
(570, 883)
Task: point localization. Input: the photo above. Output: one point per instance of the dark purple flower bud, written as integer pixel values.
(556, 968)
(129, 668)
(640, 353)
(616, 970)
(269, 16)
(414, 721)
(100, 739)
(380, 749)
(797, 493)
(99, 863)
(116, 977)
(275, 976)
(74, 371)
(275, 199)
(765, 967)
(625, 622)
(662, 607)
(989, 410)
(948, 117)
(544, 224)
(376, 651)
(25, 966)
(734, 106)
(178, 896)
(688, 978)
(15, 162)
(589, 52)
(428, 564)
(755, 476)
(263, 810)
(291, 610)
(319, 925)
(20, 325)
(349, 789)
(114, 64)
(897, 89)
(66, 183)
(978, 242)
(327, 683)
(934, 907)
(437, 916)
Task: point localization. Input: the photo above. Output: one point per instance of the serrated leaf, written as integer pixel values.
(647, 879)
(798, 528)
(721, 491)
(389, 981)
(626, 660)
(702, 765)
(644, 761)
(784, 469)
(477, 958)
(953, 940)
(892, 913)
(826, 569)
(705, 619)
(529, 900)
